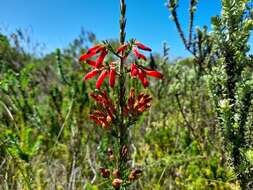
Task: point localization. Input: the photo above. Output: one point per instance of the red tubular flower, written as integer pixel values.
(87, 56)
(134, 70)
(139, 55)
(101, 58)
(112, 76)
(143, 47)
(143, 78)
(100, 98)
(94, 118)
(92, 52)
(122, 48)
(153, 73)
(141, 72)
(99, 113)
(104, 72)
(91, 63)
(143, 102)
(91, 74)
(101, 118)
(101, 79)
(95, 49)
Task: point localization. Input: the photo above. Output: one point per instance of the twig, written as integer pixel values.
(192, 4)
(184, 116)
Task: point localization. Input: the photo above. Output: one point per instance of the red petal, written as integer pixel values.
(139, 55)
(86, 56)
(101, 58)
(92, 63)
(91, 74)
(104, 123)
(101, 79)
(143, 47)
(110, 112)
(141, 109)
(145, 82)
(94, 49)
(143, 78)
(112, 77)
(144, 102)
(132, 93)
(94, 118)
(99, 113)
(95, 96)
(154, 73)
(134, 70)
(140, 96)
(122, 48)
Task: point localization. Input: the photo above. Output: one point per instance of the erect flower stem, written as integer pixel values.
(122, 21)
(121, 93)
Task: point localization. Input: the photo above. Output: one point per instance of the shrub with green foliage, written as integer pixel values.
(225, 52)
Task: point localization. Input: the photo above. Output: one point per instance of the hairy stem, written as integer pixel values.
(121, 93)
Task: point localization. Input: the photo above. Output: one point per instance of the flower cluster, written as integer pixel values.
(142, 72)
(103, 69)
(137, 104)
(106, 114)
(99, 66)
(125, 50)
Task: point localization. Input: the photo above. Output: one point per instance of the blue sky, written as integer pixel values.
(58, 22)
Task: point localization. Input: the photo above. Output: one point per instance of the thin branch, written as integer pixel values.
(191, 19)
(180, 31)
(184, 116)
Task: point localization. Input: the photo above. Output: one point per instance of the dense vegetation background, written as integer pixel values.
(48, 142)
